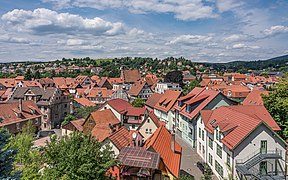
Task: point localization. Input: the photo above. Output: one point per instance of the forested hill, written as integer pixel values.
(278, 63)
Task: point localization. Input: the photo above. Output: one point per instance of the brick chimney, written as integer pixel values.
(20, 106)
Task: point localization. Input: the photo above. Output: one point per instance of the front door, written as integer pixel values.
(263, 167)
(263, 147)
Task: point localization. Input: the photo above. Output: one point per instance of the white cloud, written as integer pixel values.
(243, 46)
(58, 4)
(233, 37)
(13, 39)
(45, 21)
(182, 9)
(190, 39)
(227, 5)
(276, 30)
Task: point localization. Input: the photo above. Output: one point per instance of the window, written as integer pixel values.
(148, 120)
(217, 134)
(199, 147)
(219, 151)
(45, 116)
(228, 159)
(199, 132)
(133, 126)
(36, 121)
(203, 135)
(210, 159)
(18, 126)
(150, 131)
(211, 143)
(65, 105)
(147, 130)
(219, 168)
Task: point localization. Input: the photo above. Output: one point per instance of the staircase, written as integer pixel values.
(246, 167)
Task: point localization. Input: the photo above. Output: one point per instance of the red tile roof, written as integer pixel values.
(254, 98)
(102, 119)
(121, 138)
(137, 87)
(155, 119)
(78, 124)
(100, 92)
(204, 97)
(134, 111)
(161, 142)
(237, 121)
(8, 112)
(167, 101)
(131, 76)
(84, 102)
(119, 105)
(153, 99)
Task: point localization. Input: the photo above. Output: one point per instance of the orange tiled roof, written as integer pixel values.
(8, 82)
(239, 121)
(97, 92)
(78, 124)
(137, 87)
(102, 119)
(153, 99)
(161, 142)
(254, 98)
(121, 138)
(84, 102)
(131, 76)
(167, 100)
(8, 112)
(119, 105)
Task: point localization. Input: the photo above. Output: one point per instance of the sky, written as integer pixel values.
(199, 30)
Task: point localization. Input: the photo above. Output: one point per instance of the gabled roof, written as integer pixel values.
(119, 105)
(84, 102)
(131, 76)
(254, 98)
(167, 100)
(137, 87)
(8, 112)
(100, 92)
(153, 99)
(237, 122)
(121, 138)
(155, 119)
(102, 82)
(76, 123)
(103, 119)
(161, 142)
(203, 98)
(134, 111)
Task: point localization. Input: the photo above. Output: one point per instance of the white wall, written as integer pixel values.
(118, 115)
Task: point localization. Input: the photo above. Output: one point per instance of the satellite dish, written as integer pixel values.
(134, 135)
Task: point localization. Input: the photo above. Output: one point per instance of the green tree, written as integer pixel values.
(138, 102)
(83, 112)
(194, 83)
(7, 155)
(23, 142)
(174, 77)
(28, 75)
(277, 105)
(68, 118)
(78, 156)
(37, 75)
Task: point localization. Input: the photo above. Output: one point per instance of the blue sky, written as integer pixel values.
(200, 30)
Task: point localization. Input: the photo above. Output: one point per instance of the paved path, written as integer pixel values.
(189, 159)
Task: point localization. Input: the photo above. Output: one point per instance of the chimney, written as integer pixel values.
(173, 142)
(20, 105)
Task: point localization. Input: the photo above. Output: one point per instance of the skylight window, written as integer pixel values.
(213, 122)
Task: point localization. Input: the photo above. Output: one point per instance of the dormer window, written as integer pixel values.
(180, 103)
(188, 108)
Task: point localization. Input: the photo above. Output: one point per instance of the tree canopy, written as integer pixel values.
(277, 105)
(77, 156)
(138, 102)
(174, 77)
(7, 156)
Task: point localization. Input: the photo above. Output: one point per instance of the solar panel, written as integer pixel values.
(139, 157)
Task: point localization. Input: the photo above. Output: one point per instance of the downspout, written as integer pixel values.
(232, 169)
